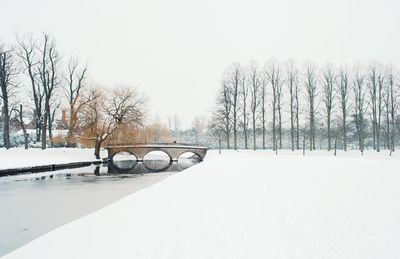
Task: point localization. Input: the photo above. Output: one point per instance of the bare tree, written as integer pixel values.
(386, 114)
(392, 106)
(297, 112)
(359, 108)
(222, 113)
(311, 88)
(328, 83)
(75, 83)
(244, 94)
(8, 85)
(27, 51)
(254, 98)
(274, 78)
(292, 84)
(103, 116)
(336, 89)
(234, 77)
(381, 79)
(48, 74)
(279, 98)
(344, 91)
(264, 84)
(373, 89)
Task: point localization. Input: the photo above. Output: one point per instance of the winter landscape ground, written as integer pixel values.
(247, 204)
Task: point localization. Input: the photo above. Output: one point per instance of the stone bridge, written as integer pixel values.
(174, 151)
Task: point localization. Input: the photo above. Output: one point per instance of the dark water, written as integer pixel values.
(32, 205)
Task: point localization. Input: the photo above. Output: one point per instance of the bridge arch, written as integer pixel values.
(125, 152)
(180, 155)
(157, 150)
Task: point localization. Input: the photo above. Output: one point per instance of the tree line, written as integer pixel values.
(36, 82)
(283, 105)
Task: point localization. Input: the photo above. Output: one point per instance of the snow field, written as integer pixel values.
(246, 204)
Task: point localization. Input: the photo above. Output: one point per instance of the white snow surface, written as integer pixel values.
(246, 204)
(19, 157)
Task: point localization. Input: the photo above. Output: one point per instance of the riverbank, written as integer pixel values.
(15, 158)
(47, 168)
(246, 204)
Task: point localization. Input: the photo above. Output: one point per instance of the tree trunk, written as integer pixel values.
(254, 131)
(44, 126)
(280, 126)
(291, 124)
(344, 133)
(26, 140)
(297, 130)
(304, 142)
(97, 149)
(70, 139)
(219, 143)
(245, 134)
(329, 131)
(336, 137)
(26, 135)
(274, 121)
(263, 125)
(38, 130)
(6, 132)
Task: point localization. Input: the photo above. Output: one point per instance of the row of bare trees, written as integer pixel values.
(329, 106)
(33, 75)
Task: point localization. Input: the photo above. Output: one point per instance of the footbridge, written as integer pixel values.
(172, 150)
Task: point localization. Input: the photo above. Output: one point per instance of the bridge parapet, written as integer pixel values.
(174, 151)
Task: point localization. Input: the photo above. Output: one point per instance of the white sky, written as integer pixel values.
(176, 51)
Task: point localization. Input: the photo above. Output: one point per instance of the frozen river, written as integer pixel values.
(32, 205)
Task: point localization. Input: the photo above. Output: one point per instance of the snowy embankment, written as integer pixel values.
(19, 157)
(246, 205)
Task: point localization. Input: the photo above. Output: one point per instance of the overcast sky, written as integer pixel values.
(175, 51)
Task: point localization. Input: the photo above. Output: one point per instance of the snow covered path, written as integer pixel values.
(246, 205)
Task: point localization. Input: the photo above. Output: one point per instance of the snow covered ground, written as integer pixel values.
(246, 204)
(19, 157)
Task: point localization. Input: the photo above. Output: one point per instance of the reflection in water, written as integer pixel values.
(148, 166)
(123, 164)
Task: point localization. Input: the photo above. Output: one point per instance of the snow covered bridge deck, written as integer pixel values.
(174, 151)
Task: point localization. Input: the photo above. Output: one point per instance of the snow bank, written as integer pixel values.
(246, 205)
(19, 157)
